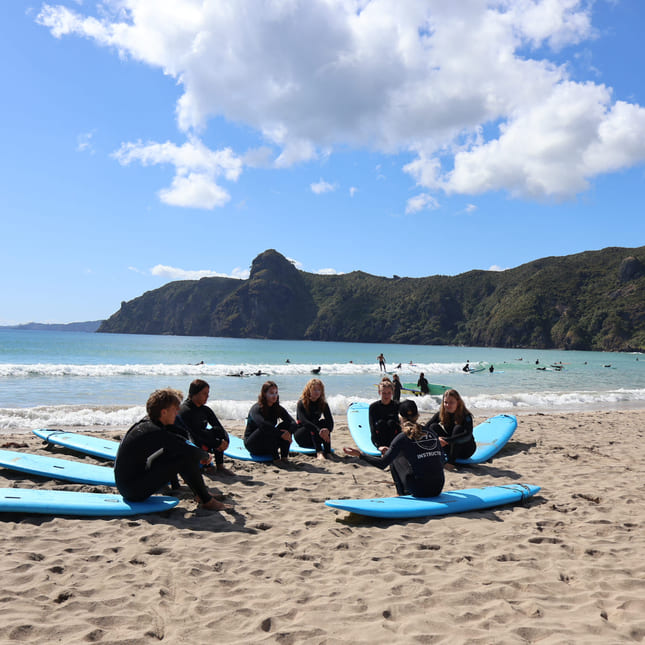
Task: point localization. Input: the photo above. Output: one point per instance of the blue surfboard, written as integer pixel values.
(65, 502)
(491, 436)
(456, 501)
(359, 427)
(105, 448)
(237, 450)
(74, 471)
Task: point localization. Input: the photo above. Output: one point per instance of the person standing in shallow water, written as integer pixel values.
(381, 362)
(203, 426)
(315, 422)
(152, 453)
(269, 427)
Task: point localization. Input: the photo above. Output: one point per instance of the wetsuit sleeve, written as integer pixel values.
(462, 433)
(384, 461)
(329, 420)
(303, 417)
(285, 416)
(213, 421)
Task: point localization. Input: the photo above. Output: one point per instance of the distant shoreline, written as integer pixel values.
(89, 326)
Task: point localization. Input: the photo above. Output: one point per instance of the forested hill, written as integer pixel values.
(592, 300)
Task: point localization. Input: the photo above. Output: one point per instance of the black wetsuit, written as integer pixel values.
(384, 422)
(397, 390)
(422, 384)
(196, 419)
(416, 464)
(150, 455)
(310, 423)
(262, 435)
(461, 443)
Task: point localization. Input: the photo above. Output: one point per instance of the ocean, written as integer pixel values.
(71, 379)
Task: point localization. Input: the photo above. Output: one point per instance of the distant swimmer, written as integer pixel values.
(398, 367)
(491, 369)
(200, 363)
(381, 362)
(316, 370)
(287, 361)
(466, 367)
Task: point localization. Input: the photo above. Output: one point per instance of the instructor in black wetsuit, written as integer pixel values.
(415, 456)
(151, 454)
(203, 426)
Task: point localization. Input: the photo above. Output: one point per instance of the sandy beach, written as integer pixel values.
(566, 567)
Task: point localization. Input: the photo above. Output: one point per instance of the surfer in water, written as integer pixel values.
(269, 427)
(315, 422)
(422, 384)
(454, 426)
(151, 454)
(202, 425)
(415, 456)
(384, 415)
(381, 362)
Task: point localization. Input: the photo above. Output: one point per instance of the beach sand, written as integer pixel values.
(566, 567)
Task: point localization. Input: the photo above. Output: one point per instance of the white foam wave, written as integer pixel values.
(9, 370)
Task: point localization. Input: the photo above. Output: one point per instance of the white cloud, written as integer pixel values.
(321, 187)
(329, 272)
(496, 267)
(352, 191)
(474, 90)
(421, 202)
(196, 170)
(470, 208)
(84, 142)
(173, 273)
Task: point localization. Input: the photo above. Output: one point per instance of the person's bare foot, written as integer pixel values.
(214, 505)
(449, 466)
(321, 456)
(223, 470)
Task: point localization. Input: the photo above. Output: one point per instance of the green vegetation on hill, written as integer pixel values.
(591, 300)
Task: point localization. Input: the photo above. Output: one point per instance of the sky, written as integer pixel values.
(145, 141)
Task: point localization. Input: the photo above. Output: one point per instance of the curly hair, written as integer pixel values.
(305, 397)
(160, 400)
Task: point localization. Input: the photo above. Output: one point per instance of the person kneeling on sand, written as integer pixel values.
(151, 454)
(415, 456)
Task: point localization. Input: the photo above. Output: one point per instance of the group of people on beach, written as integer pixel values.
(183, 438)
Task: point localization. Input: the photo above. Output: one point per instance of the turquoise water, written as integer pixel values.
(76, 379)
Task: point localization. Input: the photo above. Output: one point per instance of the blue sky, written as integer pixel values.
(147, 140)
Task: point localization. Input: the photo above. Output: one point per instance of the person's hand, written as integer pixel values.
(324, 434)
(286, 435)
(352, 452)
(207, 461)
(382, 449)
(442, 441)
(223, 446)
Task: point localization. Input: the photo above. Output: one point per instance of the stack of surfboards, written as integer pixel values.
(63, 502)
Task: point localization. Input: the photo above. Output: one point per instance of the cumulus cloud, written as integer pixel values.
(329, 272)
(421, 202)
(321, 187)
(475, 91)
(84, 142)
(173, 273)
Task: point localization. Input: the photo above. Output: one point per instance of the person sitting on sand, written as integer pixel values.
(203, 426)
(415, 456)
(384, 415)
(315, 422)
(151, 454)
(422, 384)
(454, 426)
(269, 426)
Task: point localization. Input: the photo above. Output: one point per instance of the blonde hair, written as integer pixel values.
(385, 382)
(305, 397)
(412, 430)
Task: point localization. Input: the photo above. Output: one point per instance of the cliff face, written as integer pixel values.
(592, 300)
